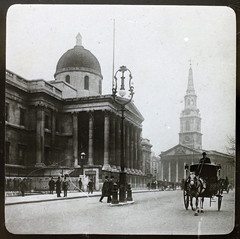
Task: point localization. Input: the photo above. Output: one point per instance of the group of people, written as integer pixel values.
(90, 185)
(107, 189)
(60, 185)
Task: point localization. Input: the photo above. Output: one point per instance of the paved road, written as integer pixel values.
(159, 212)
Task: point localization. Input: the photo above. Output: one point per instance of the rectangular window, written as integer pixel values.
(57, 125)
(7, 112)
(7, 150)
(22, 149)
(22, 116)
(47, 122)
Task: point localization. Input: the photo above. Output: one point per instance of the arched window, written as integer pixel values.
(68, 79)
(100, 87)
(86, 83)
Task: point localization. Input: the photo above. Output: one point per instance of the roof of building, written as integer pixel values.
(78, 59)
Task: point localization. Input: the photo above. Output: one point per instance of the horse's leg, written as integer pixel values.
(191, 202)
(202, 200)
(197, 208)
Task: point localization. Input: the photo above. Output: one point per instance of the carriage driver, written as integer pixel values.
(204, 159)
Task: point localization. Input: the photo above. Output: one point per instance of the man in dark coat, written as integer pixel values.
(204, 159)
(58, 187)
(22, 186)
(65, 186)
(90, 186)
(105, 189)
(51, 185)
(80, 184)
(110, 189)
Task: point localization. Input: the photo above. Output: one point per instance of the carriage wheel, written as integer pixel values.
(219, 202)
(186, 198)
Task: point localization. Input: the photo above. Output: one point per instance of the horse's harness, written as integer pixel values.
(196, 183)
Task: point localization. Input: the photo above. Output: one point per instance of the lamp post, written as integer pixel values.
(122, 103)
(82, 160)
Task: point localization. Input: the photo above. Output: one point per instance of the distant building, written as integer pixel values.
(189, 150)
(50, 123)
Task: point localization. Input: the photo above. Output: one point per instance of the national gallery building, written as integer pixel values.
(50, 124)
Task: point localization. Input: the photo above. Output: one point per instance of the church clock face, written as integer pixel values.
(187, 138)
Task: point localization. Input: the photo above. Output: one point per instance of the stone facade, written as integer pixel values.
(50, 123)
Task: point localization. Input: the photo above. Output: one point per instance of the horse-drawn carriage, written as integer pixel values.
(202, 181)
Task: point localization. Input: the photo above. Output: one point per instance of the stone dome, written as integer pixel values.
(78, 59)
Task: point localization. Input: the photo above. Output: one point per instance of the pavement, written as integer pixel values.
(12, 199)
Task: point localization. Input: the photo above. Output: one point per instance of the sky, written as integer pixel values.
(156, 43)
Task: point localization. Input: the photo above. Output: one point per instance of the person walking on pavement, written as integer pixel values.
(51, 185)
(65, 186)
(105, 189)
(80, 184)
(110, 189)
(58, 187)
(90, 186)
(22, 186)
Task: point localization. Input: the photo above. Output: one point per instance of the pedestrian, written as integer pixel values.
(65, 186)
(105, 189)
(58, 187)
(22, 186)
(110, 189)
(80, 184)
(90, 186)
(51, 185)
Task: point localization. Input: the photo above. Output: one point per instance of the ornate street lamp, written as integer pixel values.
(122, 102)
(82, 160)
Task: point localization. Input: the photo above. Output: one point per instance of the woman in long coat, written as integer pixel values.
(105, 189)
(58, 187)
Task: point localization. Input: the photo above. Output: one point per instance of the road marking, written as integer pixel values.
(199, 227)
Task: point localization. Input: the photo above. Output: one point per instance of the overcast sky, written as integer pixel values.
(155, 43)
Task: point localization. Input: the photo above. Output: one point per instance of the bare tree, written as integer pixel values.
(231, 145)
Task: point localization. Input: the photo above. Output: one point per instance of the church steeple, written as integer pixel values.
(190, 119)
(190, 88)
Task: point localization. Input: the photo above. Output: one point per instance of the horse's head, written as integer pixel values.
(192, 179)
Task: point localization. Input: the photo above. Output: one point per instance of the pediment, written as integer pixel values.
(179, 150)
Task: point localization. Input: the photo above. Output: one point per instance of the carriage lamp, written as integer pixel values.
(122, 92)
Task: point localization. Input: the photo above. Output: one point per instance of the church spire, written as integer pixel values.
(190, 88)
(78, 40)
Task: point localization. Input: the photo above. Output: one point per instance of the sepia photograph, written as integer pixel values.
(120, 120)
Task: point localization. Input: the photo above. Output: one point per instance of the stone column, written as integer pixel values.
(53, 129)
(106, 165)
(177, 170)
(131, 148)
(118, 142)
(135, 151)
(112, 140)
(169, 172)
(90, 140)
(40, 137)
(162, 171)
(127, 161)
(75, 138)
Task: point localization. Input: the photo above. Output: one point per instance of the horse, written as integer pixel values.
(195, 187)
(223, 185)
